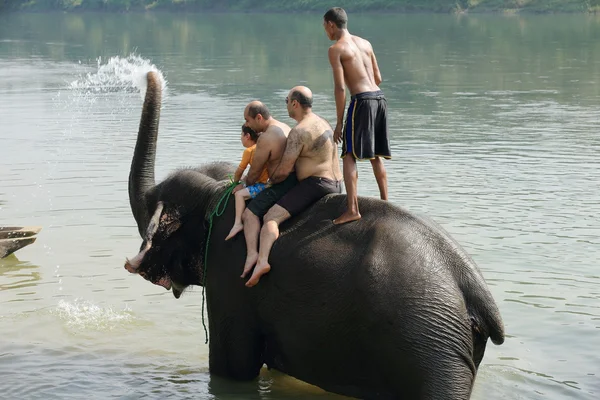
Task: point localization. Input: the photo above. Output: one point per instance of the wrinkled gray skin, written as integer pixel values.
(388, 307)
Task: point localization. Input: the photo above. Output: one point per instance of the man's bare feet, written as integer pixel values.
(251, 260)
(237, 228)
(259, 271)
(348, 216)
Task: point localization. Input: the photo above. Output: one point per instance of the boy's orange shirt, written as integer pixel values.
(247, 158)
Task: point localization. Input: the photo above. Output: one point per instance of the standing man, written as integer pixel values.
(269, 150)
(365, 133)
(310, 152)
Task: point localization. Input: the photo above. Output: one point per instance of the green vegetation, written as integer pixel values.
(439, 6)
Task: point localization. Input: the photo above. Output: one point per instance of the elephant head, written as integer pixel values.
(171, 215)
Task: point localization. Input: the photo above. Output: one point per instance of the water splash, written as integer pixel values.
(85, 315)
(118, 74)
(96, 114)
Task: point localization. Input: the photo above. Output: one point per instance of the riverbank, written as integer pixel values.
(318, 6)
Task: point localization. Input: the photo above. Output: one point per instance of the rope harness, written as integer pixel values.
(215, 212)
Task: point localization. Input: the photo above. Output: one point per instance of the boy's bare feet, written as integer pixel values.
(237, 228)
(348, 216)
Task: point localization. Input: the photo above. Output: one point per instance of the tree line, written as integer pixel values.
(440, 6)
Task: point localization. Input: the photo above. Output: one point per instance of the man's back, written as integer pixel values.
(271, 144)
(358, 61)
(319, 152)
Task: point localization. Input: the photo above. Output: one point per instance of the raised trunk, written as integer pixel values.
(141, 176)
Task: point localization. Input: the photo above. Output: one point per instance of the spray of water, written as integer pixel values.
(118, 74)
(85, 315)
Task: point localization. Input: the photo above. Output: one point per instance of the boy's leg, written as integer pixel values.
(382, 147)
(240, 204)
(380, 176)
(349, 168)
(351, 183)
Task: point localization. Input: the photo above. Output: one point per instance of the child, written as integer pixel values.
(249, 138)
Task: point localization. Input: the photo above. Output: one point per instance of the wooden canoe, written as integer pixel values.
(13, 238)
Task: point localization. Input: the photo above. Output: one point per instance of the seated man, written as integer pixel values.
(310, 149)
(269, 149)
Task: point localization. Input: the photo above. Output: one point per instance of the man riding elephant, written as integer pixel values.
(269, 150)
(310, 154)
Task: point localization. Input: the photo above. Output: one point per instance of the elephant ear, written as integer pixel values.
(164, 222)
(170, 221)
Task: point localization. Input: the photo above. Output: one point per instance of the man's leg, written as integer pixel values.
(251, 232)
(380, 176)
(268, 235)
(351, 183)
(240, 205)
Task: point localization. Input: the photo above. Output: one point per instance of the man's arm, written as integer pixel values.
(293, 148)
(339, 89)
(261, 156)
(376, 71)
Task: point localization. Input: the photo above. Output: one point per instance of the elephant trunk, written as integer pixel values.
(141, 176)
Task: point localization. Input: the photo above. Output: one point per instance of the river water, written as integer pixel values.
(494, 125)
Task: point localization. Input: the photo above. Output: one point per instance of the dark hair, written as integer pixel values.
(338, 16)
(304, 101)
(261, 109)
(250, 131)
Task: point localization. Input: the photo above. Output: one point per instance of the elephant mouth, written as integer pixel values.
(165, 282)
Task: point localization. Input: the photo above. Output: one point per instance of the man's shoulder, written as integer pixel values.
(300, 129)
(324, 123)
(277, 128)
(273, 135)
(337, 47)
(307, 128)
(357, 38)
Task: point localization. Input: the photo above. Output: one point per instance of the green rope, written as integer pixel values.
(216, 212)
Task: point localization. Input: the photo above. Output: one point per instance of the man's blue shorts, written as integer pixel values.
(365, 131)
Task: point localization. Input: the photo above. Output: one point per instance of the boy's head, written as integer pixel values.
(249, 137)
(334, 20)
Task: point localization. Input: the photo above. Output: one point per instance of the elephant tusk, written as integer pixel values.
(133, 264)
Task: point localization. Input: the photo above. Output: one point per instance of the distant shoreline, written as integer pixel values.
(506, 12)
(502, 7)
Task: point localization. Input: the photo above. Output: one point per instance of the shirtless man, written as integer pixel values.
(269, 150)
(312, 153)
(365, 133)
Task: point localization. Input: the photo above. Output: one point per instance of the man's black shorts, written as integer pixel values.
(271, 195)
(366, 132)
(307, 192)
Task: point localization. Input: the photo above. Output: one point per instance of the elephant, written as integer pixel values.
(386, 307)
